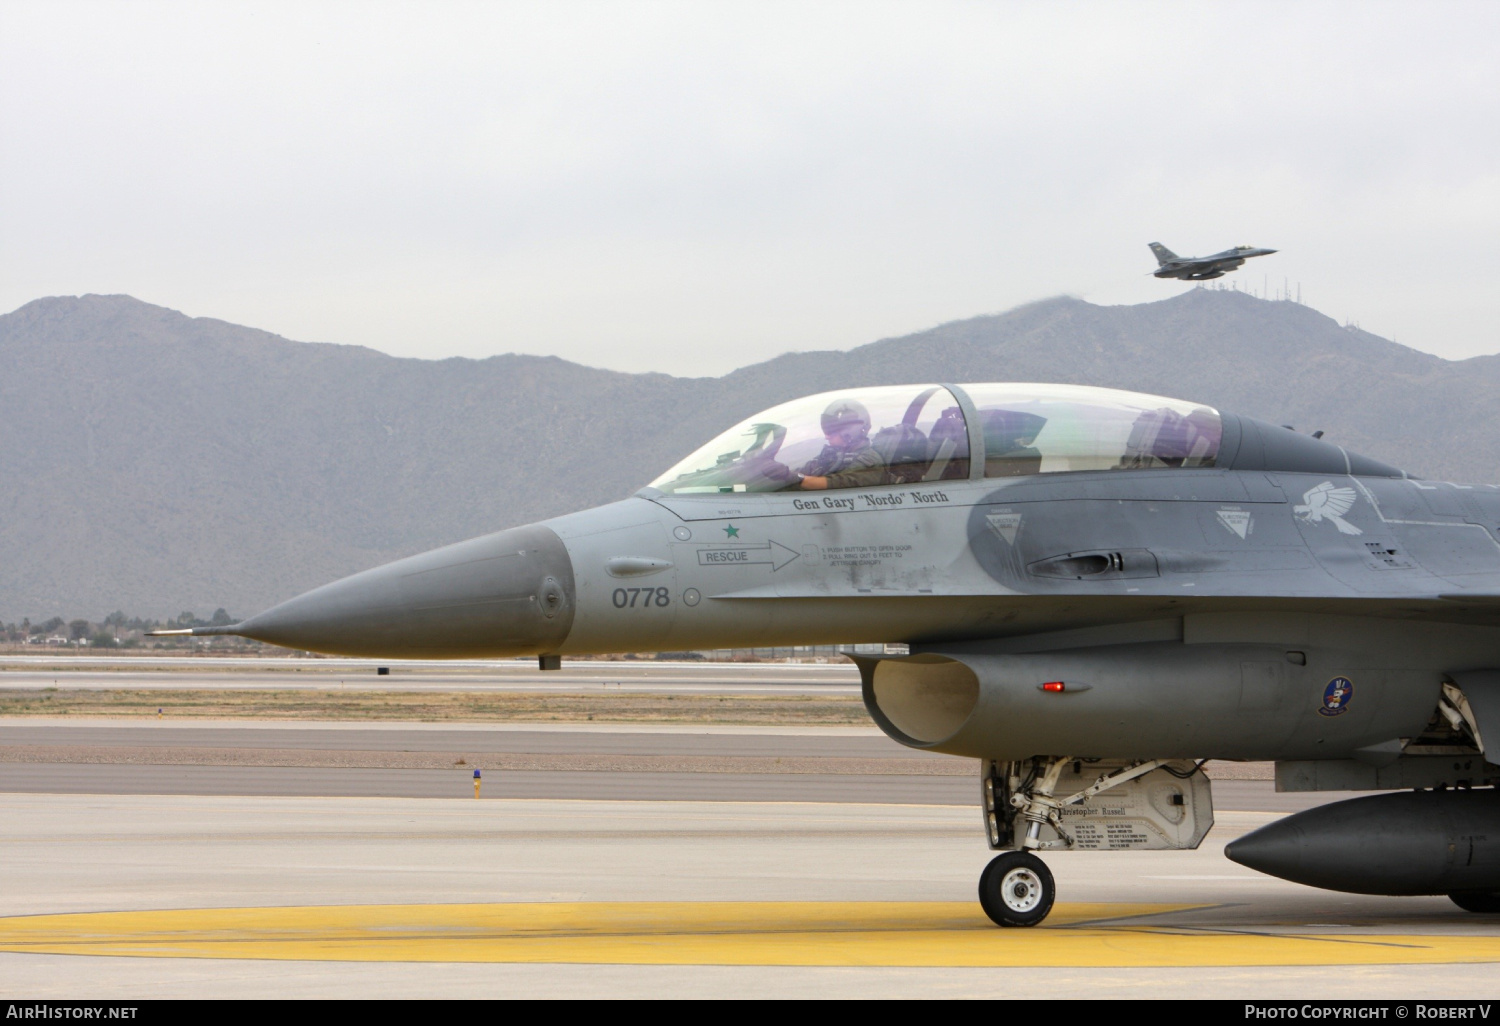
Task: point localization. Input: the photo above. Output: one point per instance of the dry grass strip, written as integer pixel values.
(438, 706)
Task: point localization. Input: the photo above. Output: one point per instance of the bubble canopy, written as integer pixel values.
(912, 434)
(1031, 429)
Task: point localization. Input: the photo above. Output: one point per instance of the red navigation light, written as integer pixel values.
(1054, 685)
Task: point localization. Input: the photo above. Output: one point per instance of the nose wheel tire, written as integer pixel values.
(1016, 889)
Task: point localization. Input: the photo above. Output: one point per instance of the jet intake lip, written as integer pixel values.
(919, 700)
(505, 594)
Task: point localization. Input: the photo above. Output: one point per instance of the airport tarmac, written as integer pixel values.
(559, 761)
(240, 857)
(134, 896)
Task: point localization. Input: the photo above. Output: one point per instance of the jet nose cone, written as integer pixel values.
(505, 594)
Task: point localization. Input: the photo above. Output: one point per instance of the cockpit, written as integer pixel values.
(912, 434)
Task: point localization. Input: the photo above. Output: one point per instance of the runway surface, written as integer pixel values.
(580, 761)
(163, 896)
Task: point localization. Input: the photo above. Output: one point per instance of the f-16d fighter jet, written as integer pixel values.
(1099, 590)
(1202, 268)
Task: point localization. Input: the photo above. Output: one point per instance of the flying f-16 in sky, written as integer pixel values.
(1170, 265)
(1099, 590)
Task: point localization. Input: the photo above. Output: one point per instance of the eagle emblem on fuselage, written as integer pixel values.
(1327, 502)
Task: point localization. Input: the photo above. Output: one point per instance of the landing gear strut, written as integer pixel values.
(1016, 888)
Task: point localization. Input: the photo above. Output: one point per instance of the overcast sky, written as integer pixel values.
(693, 187)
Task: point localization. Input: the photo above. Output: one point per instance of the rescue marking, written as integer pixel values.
(862, 555)
(773, 553)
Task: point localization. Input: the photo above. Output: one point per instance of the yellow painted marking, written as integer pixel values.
(710, 933)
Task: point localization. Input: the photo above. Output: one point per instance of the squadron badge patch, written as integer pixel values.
(1336, 697)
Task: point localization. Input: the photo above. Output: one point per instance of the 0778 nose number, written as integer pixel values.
(632, 598)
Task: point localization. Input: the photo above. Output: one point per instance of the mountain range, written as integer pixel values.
(154, 462)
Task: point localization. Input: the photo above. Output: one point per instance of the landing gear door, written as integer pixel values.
(1170, 808)
(1482, 689)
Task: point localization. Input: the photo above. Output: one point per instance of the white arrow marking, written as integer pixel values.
(774, 553)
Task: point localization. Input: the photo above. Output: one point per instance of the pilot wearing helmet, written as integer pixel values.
(848, 460)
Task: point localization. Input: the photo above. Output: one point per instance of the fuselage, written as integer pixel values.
(1286, 548)
(1209, 267)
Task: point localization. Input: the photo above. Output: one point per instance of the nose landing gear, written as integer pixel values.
(1020, 802)
(1016, 889)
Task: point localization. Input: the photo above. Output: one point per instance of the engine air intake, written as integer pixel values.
(925, 697)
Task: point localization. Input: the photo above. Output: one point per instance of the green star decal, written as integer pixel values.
(731, 531)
